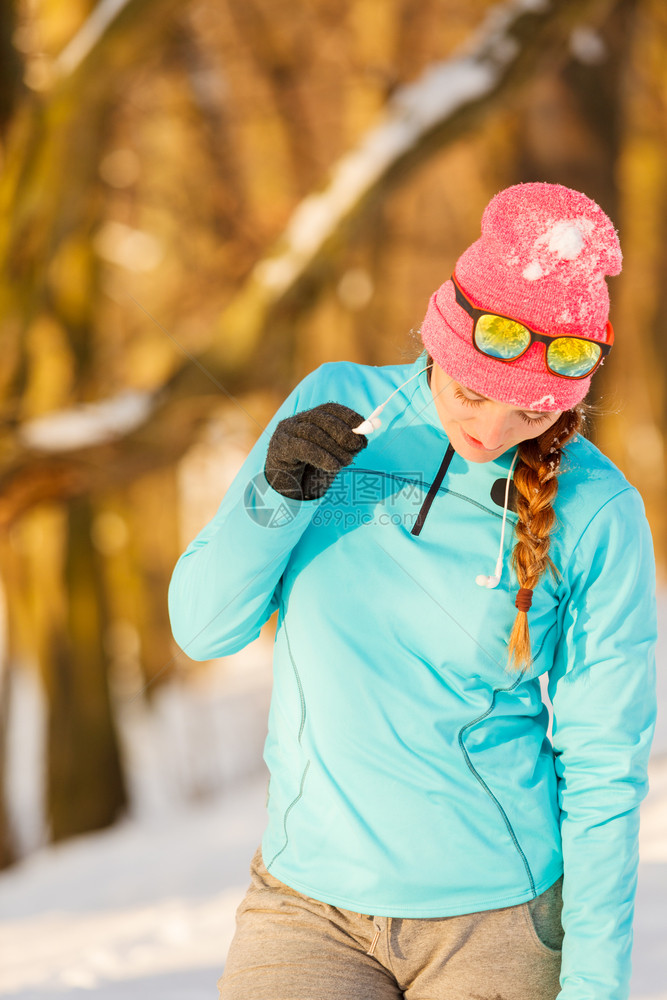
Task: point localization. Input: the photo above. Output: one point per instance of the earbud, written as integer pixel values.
(487, 581)
(367, 426)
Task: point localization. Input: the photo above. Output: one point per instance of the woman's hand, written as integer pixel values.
(308, 450)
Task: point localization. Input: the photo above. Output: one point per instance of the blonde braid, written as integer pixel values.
(535, 478)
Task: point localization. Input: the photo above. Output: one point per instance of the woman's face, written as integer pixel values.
(481, 429)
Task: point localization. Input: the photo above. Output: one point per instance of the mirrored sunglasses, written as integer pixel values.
(506, 339)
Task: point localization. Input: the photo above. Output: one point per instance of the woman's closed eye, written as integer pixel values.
(534, 418)
(528, 416)
(468, 400)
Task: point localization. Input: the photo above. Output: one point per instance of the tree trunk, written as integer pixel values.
(10, 64)
(7, 847)
(86, 790)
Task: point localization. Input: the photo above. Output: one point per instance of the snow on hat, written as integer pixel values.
(541, 259)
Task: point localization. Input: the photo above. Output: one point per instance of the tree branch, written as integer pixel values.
(89, 36)
(446, 102)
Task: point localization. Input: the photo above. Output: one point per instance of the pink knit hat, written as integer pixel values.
(542, 260)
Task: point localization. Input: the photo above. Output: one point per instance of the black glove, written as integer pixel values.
(307, 451)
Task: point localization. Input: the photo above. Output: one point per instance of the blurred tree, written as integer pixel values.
(85, 781)
(10, 66)
(633, 428)
(47, 294)
(10, 84)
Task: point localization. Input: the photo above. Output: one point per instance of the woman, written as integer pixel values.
(422, 828)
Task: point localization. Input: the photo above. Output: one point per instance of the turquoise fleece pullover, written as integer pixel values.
(411, 774)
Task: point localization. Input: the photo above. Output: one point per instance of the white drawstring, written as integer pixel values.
(378, 931)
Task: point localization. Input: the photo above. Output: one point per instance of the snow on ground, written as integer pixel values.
(145, 909)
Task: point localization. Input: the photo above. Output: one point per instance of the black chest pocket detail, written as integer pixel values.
(498, 494)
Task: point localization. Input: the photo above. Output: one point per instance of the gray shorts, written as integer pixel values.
(290, 947)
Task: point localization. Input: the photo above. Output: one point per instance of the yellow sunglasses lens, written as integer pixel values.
(573, 358)
(501, 338)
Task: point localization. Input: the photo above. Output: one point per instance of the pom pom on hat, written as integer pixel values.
(542, 259)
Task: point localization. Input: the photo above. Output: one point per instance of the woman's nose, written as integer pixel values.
(493, 428)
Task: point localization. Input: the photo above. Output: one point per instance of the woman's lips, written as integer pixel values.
(473, 442)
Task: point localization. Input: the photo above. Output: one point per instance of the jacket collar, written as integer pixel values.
(424, 404)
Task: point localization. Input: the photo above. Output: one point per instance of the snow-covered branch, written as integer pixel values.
(501, 54)
(110, 21)
(88, 424)
(88, 35)
(443, 89)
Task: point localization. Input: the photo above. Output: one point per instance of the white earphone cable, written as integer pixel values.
(493, 581)
(372, 422)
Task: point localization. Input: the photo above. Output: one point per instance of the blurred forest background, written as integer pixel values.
(202, 201)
